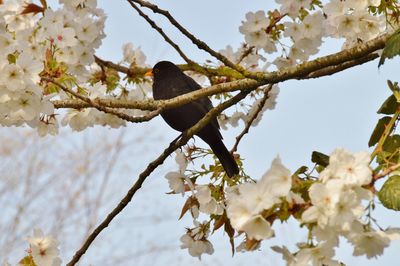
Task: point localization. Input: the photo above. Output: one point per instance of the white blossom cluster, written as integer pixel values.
(81, 119)
(249, 62)
(352, 21)
(246, 202)
(73, 32)
(176, 180)
(27, 38)
(239, 204)
(70, 34)
(133, 56)
(195, 240)
(306, 24)
(336, 208)
(44, 249)
(255, 34)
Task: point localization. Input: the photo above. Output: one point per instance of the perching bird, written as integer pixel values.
(169, 81)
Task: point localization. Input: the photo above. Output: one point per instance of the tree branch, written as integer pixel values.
(163, 34)
(338, 68)
(104, 109)
(161, 104)
(385, 172)
(252, 118)
(302, 70)
(152, 166)
(134, 71)
(129, 71)
(319, 67)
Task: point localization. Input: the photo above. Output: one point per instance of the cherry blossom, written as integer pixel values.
(43, 249)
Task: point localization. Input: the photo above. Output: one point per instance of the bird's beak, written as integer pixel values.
(149, 73)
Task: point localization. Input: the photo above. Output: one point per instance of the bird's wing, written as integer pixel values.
(204, 103)
(192, 85)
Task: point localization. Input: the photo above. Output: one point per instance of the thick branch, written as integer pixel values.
(304, 69)
(334, 69)
(162, 104)
(151, 167)
(104, 109)
(319, 67)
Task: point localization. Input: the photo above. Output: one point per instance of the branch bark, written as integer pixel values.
(385, 172)
(108, 110)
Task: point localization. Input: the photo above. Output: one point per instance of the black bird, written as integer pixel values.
(169, 81)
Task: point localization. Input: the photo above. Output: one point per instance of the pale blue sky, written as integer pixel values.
(335, 111)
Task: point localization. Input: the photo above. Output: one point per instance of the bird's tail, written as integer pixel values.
(225, 157)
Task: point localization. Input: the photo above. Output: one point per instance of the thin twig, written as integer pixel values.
(389, 127)
(129, 71)
(245, 53)
(199, 43)
(134, 71)
(104, 109)
(152, 166)
(386, 172)
(252, 118)
(163, 34)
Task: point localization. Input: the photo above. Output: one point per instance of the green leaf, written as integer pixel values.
(391, 149)
(389, 194)
(302, 170)
(392, 144)
(284, 213)
(302, 188)
(378, 131)
(394, 87)
(320, 158)
(12, 58)
(392, 48)
(390, 106)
